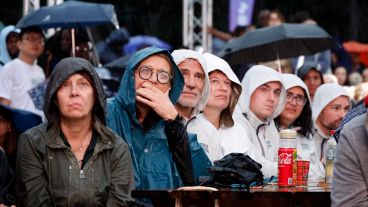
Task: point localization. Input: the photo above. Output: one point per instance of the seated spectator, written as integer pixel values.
(342, 75)
(329, 108)
(262, 99)
(8, 44)
(193, 98)
(349, 180)
(311, 76)
(215, 127)
(73, 159)
(143, 114)
(22, 74)
(297, 115)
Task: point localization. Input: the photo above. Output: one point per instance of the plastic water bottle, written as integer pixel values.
(330, 157)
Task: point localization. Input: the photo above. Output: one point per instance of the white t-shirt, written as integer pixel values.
(17, 77)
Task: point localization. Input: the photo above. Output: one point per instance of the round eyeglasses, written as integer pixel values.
(300, 100)
(145, 72)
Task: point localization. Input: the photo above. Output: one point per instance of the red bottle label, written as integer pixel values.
(285, 166)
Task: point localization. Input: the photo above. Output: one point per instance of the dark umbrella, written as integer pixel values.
(278, 42)
(70, 14)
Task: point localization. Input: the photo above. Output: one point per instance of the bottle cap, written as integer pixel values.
(288, 134)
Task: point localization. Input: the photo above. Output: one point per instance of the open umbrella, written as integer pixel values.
(278, 42)
(141, 41)
(70, 14)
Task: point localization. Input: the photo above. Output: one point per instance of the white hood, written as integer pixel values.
(216, 63)
(4, 54)
(291, 80)
(183, 54)
(324, 95)
(254, 78)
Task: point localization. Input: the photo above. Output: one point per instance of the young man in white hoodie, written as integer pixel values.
(262, 99)
(194, 96)
(331, 103)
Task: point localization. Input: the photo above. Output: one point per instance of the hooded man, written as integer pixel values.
(263, 98)
(330, 105)
(193, 98)
(8, 44)
(143, 114)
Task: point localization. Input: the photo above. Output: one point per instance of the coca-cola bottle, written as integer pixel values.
(287, 153)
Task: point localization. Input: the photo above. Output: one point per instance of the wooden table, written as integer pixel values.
(267, 196)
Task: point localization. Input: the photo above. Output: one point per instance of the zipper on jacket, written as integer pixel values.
(70, 183)
(81, 174)
(260, 143)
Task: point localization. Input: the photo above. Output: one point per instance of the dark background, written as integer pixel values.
(163, 18)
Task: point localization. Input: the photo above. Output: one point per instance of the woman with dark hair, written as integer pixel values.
(297, 115)
(73, 159)
(311, 75)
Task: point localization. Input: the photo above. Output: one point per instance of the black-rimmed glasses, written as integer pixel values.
(145, 72)
(300, 100)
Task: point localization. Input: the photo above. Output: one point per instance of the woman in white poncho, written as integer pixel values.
(297, 115)
(216, 130)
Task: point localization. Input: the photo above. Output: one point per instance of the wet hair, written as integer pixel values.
(34, 29)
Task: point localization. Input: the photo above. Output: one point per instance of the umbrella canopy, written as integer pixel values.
(355, 47)
(70, 14)
(278, 42)
(22, 120)
(139, 42)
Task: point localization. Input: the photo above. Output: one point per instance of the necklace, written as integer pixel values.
(82, 146)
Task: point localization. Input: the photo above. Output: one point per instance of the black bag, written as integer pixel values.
(236, 169)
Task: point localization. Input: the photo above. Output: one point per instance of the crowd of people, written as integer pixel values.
(174, 114)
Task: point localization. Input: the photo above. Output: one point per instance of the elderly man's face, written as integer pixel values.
(154, 65)
(332, 115)
(194, 78)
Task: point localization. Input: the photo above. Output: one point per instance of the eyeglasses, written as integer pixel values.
(34, 39)
(145, 72)
(300, 100)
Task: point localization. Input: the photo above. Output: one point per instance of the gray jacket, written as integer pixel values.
(350, 176)
(48, 173)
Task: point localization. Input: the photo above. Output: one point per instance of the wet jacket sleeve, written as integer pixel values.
(122, 176)
(179, 146)
(31, 178)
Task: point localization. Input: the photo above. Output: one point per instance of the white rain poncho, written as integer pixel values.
(183, 54)
(306, 147)
(325, 94)
(263, 134)
(230, 137)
